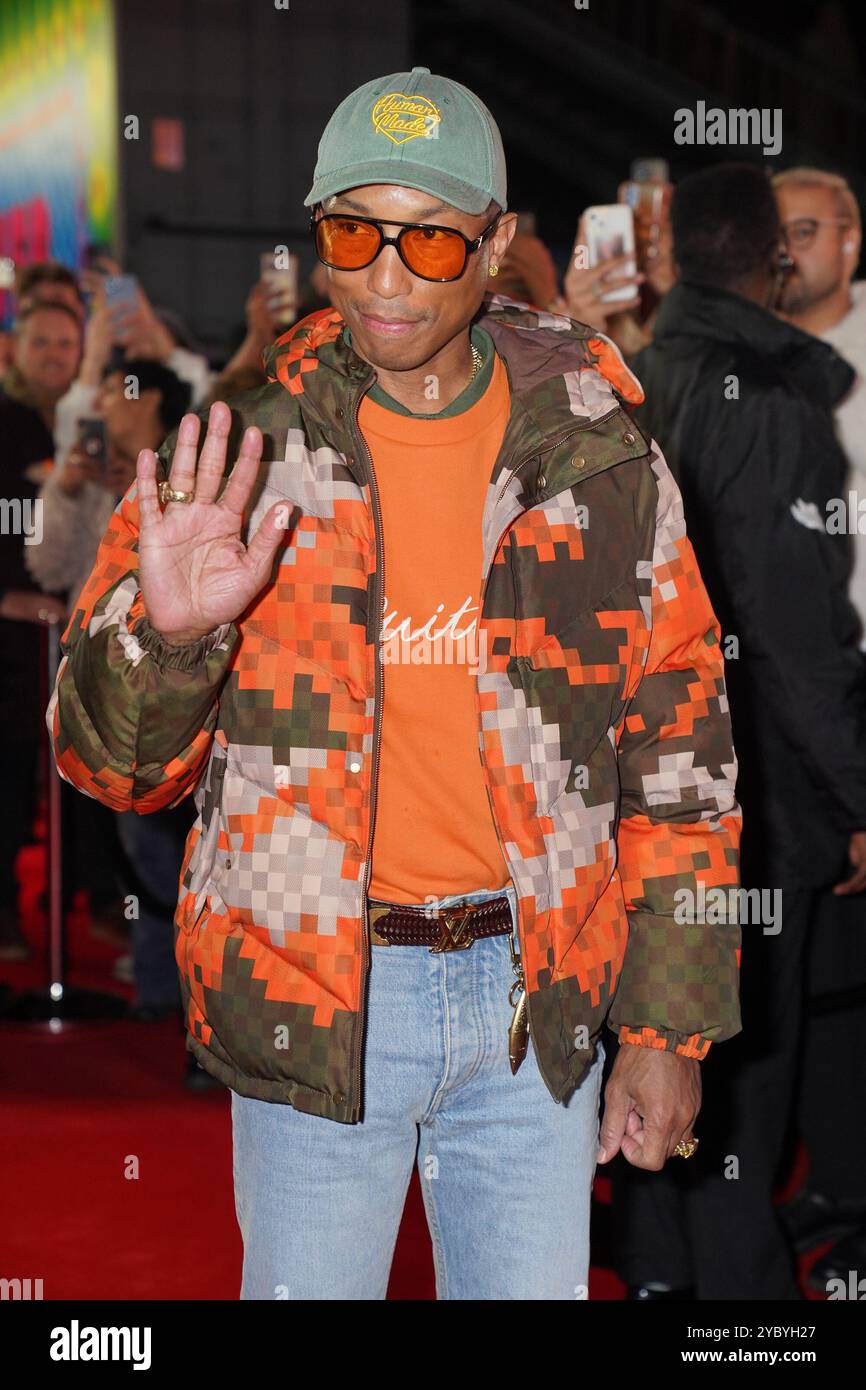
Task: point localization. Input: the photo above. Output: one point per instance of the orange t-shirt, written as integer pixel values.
(434, 832)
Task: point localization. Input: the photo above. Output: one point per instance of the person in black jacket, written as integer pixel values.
(24, 613)
(741, 403)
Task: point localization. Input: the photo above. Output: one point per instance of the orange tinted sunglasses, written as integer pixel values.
(432, 253)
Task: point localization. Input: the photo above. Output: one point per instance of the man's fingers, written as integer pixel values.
(244, 473)
(613, 1124)
(634, 1123)
(148, 499)
(632, 1149)
(263, 546)
(633, 1139)
(182, 472)
(650, 1148)
(212, 462)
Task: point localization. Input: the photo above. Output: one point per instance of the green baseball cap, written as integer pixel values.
(418, 131)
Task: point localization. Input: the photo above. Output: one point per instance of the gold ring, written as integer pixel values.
(167, 493)
(686, 1147)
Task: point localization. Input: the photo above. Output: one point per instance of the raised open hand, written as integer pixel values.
(195, 571)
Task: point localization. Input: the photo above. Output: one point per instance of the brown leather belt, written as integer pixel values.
(455, 929)
(440, 929)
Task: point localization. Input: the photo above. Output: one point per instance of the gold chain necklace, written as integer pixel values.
(477, 361)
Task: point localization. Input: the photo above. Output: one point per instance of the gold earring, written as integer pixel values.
(493, 269)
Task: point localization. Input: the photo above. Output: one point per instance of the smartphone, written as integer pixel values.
(121, 295)
(282, 284)
(609, 230)
(91, 441)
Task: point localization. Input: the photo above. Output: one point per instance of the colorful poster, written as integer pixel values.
(58, 129)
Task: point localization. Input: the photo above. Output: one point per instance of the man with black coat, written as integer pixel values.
(25, 445)
(741, 403)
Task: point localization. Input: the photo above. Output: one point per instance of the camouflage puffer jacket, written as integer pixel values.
(602, 724)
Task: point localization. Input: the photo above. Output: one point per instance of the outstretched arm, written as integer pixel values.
(149, 645)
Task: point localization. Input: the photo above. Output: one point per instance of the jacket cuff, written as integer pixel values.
(664, 1040)
(186, 658)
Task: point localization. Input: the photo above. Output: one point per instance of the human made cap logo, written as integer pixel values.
(403, 117)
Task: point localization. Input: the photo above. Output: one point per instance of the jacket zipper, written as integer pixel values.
(518, 965)
(377, 720)
(378, 694)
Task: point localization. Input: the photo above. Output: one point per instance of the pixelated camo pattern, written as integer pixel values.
(602, 716)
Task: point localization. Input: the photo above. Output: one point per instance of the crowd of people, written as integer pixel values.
(747, 330)
(74, 359)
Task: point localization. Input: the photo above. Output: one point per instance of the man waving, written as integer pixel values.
(440, 667)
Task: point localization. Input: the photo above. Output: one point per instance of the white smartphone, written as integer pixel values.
(609, 231)
(282, 284)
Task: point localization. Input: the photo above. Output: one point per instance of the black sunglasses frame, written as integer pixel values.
(470, 246)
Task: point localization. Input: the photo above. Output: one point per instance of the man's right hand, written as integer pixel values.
(195, 571)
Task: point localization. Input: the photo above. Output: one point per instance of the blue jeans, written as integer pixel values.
(153, 846)
(506, 1172)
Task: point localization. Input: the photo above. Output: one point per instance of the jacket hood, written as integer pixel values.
(713, 315)
(536, 346)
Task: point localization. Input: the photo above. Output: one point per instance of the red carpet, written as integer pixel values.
(85, 1107)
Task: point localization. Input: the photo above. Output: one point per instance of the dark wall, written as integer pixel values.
(580, 93)
(254, 86)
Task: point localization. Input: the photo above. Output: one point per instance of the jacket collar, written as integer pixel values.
(563, 377)
(713, 315)
(537, 347)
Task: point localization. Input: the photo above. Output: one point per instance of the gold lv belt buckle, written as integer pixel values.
(454, 934)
